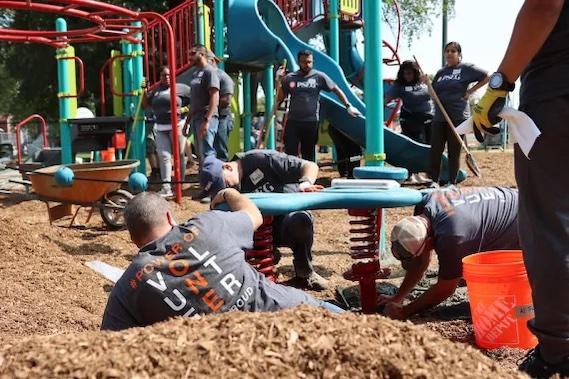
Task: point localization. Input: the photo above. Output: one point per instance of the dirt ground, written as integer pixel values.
(52, 306)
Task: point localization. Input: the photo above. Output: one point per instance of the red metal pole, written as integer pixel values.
(24, 122)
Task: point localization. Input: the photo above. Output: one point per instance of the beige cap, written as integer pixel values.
(408, 237)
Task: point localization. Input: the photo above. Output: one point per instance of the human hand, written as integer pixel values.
(183, 110)
(220, 198)
(485, 113)
(395, 311)
(353, 111)
(143, 84)
(203, 129)
(467, 94)
(310, 187)
(385, 299)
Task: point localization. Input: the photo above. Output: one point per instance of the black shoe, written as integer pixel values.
(534, 365)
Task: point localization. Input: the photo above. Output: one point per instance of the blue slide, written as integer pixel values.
(258, 35)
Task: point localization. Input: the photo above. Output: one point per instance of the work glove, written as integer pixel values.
(486, 113)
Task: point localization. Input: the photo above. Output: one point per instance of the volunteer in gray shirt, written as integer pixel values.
(226, 88)
(454, 223)
(417, 108)
(158, 100)
(304, 87)
(193, 269)
(451, 85)
(204, 102)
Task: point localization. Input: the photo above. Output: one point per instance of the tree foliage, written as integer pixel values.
(416, 15)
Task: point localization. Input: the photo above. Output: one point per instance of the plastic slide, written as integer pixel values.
(258, 35)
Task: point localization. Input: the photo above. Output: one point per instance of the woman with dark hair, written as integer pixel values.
(451, 83)
(416, 109)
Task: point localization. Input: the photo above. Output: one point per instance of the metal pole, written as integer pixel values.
(268, 76)
(334, 19)
(139, 131)
(64, 102)
(373, 84)
(201, 23)
(445, 27)
(219, 46)
(247, 111)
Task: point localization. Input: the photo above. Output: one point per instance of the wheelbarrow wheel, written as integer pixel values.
(112, 216)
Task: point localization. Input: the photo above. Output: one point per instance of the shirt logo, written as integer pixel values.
(292, 84)
(408, 89)
(310, 83)
(256, 176)
(456, 71)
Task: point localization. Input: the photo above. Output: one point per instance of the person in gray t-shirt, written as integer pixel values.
(204, 102)
(226, 88)
(417, 108)
(304, 87)
(195, 268)
(454, 223)
(451, 85)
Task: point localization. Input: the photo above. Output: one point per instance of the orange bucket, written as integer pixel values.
(500, 299)
(108, 155)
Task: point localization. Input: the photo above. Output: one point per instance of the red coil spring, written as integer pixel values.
(366, 226)
(261, 256)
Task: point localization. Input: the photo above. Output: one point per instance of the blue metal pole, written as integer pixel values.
(268, 76)
(64, 102)
(334, 18)
(373, 95)
(219, 19)
(139, 130)
(247, 111)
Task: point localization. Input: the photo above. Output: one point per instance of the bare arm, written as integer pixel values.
(412, 277)
(534, 23)
(309, 170)
(435, 295)
(341, 96)
(480, 84)
(278, 99)
(238, 203)
(213, 102)
(225, 100)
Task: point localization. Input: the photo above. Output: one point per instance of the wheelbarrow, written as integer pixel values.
(95, 185)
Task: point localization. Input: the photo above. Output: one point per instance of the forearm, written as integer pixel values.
(225, 100)
(278, 99)
(212, 106)
(534, 23)
(480, 84)
(412, 277)
(309, 170)
(341, 96)
(435, 295)
(239, 203)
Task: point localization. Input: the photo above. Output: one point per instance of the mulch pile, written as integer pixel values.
(298, 343)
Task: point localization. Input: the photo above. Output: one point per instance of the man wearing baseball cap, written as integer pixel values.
(271, 171)
(455, 223)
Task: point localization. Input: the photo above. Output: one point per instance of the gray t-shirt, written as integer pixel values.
(450, 84)
(202, 80)
(546, 76)
(304, 93)
(197, 268)
(269, 171)
(470, 220)
(159, 99)
(415, 97)
(226, 87)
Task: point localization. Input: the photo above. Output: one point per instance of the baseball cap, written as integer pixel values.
(408, 238)
(211, 176)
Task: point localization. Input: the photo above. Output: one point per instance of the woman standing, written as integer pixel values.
(451, 83)
(159, 101)
(417, 109)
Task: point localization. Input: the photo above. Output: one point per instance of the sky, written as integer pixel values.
(482, 27)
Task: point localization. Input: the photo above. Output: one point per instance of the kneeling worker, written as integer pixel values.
(271, 171)
(195, 268)
(454, 223)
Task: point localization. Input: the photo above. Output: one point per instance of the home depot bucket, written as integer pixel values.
(500, 299)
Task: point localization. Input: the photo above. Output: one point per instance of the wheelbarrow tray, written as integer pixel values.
(81, 192)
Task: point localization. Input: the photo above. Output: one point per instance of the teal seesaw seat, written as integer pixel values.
(282, 203)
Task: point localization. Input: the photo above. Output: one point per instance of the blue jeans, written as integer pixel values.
(204, 145)
(331, 307)
(220, 143)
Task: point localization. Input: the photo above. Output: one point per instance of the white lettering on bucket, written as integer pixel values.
(494, 318)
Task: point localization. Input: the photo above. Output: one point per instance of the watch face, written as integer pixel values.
(496, 80)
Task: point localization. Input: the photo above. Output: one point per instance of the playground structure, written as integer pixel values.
(150, 40)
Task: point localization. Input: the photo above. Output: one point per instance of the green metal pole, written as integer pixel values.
(445, 27)
(139, 130)
(201, 23)
(247, 111)
(373, 84)
(334, 17)
(219, 27)
(64, 102)
(268, 76)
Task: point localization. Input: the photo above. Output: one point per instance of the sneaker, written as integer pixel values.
(434, 185)
(205, 200)
(313, 282)
(534, 365)
(166, 192)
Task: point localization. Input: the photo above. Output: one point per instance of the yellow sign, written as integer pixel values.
(350, 7)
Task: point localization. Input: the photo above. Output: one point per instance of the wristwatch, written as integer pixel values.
(348, 105)
(498, 82)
